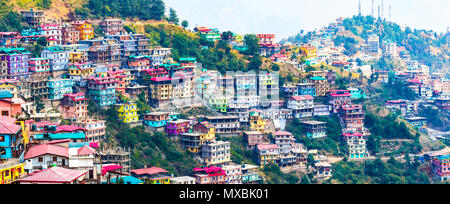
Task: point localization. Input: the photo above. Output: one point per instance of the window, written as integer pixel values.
(55, 159)
(2, 138)
(40, 159)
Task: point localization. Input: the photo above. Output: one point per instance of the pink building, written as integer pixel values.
(234, 174)
(95, 130)
(178, 127)
(441, 167)
(338, 98)
(252, 139)
(74, 106)
(212, 175)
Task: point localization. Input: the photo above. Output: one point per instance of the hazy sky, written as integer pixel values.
(287, 17)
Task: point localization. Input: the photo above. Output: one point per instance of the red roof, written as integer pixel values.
(68, 128)
(86, 150)
(54, 175)
(282, 133)
(110, 167)
(149, 171)
(267, 146)
(8, 126)
(47, 149)
(73, 96)
(302, 97)
(161, 79)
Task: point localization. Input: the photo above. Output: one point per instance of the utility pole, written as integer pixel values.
(359, 8)
(373, 11)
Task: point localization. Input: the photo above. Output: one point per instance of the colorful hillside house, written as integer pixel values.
(209, 175)
(153, 175)
(11, 139)
(156, 119)
(127, 112)
(102, 90)
(175, 128)
(17, 62)
(85, 29)
(267, 153)
(315, 129)
(74, 106)
(11, 171)
(441, 168)
(57, 88)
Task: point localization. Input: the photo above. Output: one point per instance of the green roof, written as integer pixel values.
(5, 94)
(318, 78)
(188, 59)
(61, 136)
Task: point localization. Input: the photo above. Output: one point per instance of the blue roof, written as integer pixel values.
(127, 180)
(5, 94)
(61, 136)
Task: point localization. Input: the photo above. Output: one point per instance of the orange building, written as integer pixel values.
(85, 29)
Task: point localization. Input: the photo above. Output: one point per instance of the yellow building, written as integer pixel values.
(83, 70)
(309, 51)
(127, 112)
(10, 85)
(85, 29)
(257, 122)
(11, 171)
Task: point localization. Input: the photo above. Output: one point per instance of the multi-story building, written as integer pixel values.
(306, 89)
(70, 35)
(59, 59)
(321, 84)
(74, 106)
(356, 143)
(309, 50)
(252, 139)
(11, 139)
(267, 153)
(352, 117)
(102, 90)
(315, 129)
(103, 51)
(11, 171)
(80, 72)
(337, 98)
(54, 33)
(127, 112)
(373, 45)
(209, 175)
(211, 35)
(85, 29)
(95, 129)
(250, 174)
(193, 142)
(16, 62)
(225, 125)
(216, 153)
(118, 155)
(441, 168)
(57, 88)
(160, 91)
(284, 141)
(234, 174)
(417, 122)
(156, 119)
(301, 106)
(34, 18)
(111, 26)
(322, 110)
(207, 128)
(177, 127)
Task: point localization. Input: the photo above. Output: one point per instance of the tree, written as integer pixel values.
(252, 43)
(185, 24)
(255, 63)
(173, 17)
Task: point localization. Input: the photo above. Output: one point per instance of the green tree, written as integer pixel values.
(185, 24)
(251, 41)
(173, 17)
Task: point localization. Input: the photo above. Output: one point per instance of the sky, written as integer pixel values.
(286, 18)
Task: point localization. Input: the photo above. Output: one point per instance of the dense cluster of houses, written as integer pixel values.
(120, 69)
